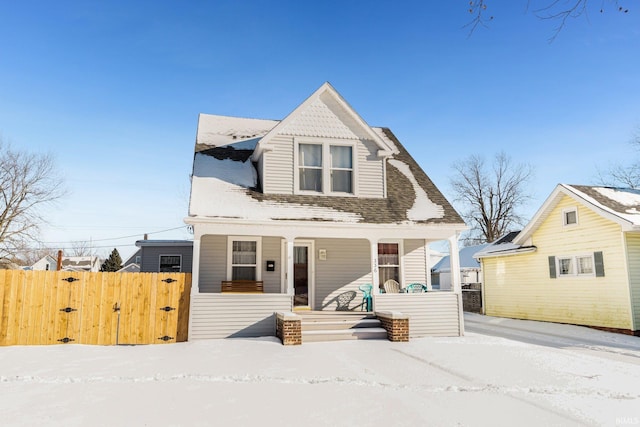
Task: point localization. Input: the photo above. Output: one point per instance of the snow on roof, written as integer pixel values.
(217, 131)
(239, 173)
(225, 183)
(467, 259)
(423, 208)
(622, 202)
(232, 201)
(502, 245)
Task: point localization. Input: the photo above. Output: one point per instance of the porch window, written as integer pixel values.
(341, 168)
(244, 260)
(388, 262)
(170, 263)
(310, 159)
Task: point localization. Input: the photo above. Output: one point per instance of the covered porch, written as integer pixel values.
(314, 270)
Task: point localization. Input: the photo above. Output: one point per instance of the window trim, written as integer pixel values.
(326, 166)
(400, 265)
(576, 265)
(564, 216)
(230, 240)
(167, 255)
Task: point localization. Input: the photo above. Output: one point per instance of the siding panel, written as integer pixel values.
(150, 262)
(277, 177)
(430, 314)
(213, 262)
(415, 269)
(271, 251)
(347, 266)
(633, 259)
(370, 171)
(232, 315)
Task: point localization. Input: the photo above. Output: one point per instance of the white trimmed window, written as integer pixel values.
(310, 161)
(570, 217)
(326, 168)
(170, 263)
(244, 257)
(341, 168)
(581, 265)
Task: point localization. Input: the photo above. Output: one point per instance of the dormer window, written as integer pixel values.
(326, 168)
(341, 169)
(310, 160)
(570, 217)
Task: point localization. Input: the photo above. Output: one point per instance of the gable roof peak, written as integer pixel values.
(340, 120)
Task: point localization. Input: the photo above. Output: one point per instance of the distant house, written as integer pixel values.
(165, 256)
(81, 263)
(135, 258)
(69, 263)
(130, 268)
(45, 263)
(308, 210)
(577, 262)
(470, 269)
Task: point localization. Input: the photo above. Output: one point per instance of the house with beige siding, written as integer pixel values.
(576, 262)
(295, 215)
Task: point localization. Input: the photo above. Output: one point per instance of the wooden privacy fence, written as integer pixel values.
(53, 307)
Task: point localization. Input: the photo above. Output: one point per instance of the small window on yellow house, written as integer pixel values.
(570, 217)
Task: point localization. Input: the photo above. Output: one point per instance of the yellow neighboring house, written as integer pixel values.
(577, 262)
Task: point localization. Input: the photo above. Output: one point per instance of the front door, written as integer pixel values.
(301, 275)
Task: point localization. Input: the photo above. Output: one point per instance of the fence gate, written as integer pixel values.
(44, 307)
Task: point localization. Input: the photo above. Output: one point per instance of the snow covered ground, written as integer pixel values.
(539, 374)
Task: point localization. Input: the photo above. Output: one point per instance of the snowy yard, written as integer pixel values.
(542, 374)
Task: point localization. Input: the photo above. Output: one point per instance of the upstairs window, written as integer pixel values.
(325, 168)
(310, 161)
(341, 169)
(570, 217)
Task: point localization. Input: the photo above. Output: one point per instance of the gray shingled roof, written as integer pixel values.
(391, 210)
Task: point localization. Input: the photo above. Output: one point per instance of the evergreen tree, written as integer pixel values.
(113, 263)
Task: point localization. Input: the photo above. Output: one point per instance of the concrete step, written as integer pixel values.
(344, 334)
(334, 316)
(338, 324)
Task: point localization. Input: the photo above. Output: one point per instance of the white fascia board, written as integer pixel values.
(578, 196)
(319, 229)
(506, 253)
(539, 216)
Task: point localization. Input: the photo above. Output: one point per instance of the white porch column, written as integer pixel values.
(289, 275)
(427, 264)
(454, 257)
(195, 268)
(375, 277)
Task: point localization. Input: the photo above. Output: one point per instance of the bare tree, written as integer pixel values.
(558, 11)
(27, 182)
(80, 248)
(490, 197)
(620, 175)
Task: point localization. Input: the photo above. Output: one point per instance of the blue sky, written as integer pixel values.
(113, 90)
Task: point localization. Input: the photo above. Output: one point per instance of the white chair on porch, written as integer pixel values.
(391, 287)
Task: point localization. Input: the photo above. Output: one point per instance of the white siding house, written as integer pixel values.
(313, 207)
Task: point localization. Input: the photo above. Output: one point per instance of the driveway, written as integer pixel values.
(578, 339)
